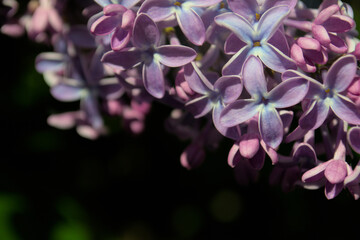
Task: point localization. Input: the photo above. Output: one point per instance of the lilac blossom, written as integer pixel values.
(186, 15)
(329, 95)
(307, 52)
(326, 27)
(212, 96)
(255, 40)
(116, 20)
(331, 173)
(264, 103)
(149, 53)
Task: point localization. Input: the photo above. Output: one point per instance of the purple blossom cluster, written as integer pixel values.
(267, 75)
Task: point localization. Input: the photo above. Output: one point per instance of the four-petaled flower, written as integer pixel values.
(264, 103)
(146, 39)
(255, 40)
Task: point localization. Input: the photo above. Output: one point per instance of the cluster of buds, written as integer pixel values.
(267, 75)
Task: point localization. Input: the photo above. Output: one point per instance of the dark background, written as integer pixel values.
(57, 185)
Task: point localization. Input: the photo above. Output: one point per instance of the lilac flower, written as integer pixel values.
(255, 40)
(326, 27)
(332, 173)
(244, 171)
(116, 20)
(252, 10)
(187, 18)
(264, 103)
(329, 95)
(212, 97)
(306, 52)
(146, 39)
(327, 24)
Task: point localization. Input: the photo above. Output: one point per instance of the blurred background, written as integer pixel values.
(56, 185)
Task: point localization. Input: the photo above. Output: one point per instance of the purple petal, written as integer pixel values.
(157, 9)
(199, 107)
(105, 25)
(257, 162)
(234, 155)
(341, 73)
(326, 13)
(320, 34)
(345, 109)
(308, 43)
(125, 59)
(270, 152)
(286, 118)
(339, 23)
(278, 40)
(67, 93)
(196, 79)
(191, 25)
(275, 59)
(254, 78)
(229, 87)
(246, 8)
(249, 145)
(296, 134)
(237, 24)
(332, 190)
(153, 78)
(315, 174)
(271, 20)
(238, 112)
(270, 126)
(288, 93)
(114, 9)
(120, 39)
(233, 44)
(315, 115)
(337, 45)
(304, 153)
(336, 171)
(175, 56)
(229, 132)
(235, 65)
(353, 137)
(145, 32)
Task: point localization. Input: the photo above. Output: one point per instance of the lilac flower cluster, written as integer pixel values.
(266, 75)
